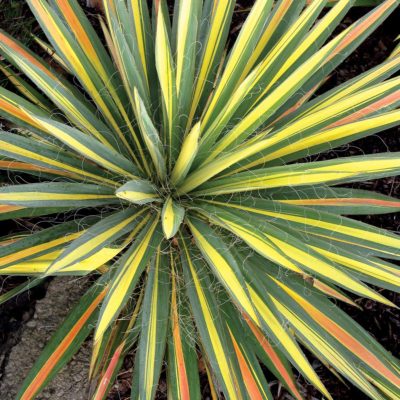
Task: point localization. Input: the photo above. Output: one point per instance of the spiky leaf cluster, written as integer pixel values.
(207, 233)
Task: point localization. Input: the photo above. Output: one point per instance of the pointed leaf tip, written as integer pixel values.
(172, 217)
(138, 191)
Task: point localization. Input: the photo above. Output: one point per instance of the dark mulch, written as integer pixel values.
(381, 321)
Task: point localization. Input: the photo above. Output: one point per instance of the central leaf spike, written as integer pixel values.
(138, 191)
(172, 217)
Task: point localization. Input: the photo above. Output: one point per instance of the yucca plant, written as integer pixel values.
(177, 160)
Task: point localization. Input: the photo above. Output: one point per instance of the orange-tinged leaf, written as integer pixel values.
(344, 337)
(379, 11)
(6, 209)
(4, 39)
(40, 378)
(10, 108)
(19, 255)
(269, 350)
(106, 378)
(332, 292)
(249, 381)
(79, 32)
(347, 201)
(21, 166)
(370, 109)
(177, 339)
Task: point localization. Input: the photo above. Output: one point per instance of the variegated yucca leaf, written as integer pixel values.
(176, 158)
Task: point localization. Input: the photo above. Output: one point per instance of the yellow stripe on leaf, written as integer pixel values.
(127, 275)
(41, 264)
(250, 382)
(221, 14)
(214, 335)
(279, 14)
(225, 272)
(95, 238)
(287, 342)
(155, 310)
(274, 357)
(186, 156)
(48, 19)
(302, 174)
(325, 348)
(74, 143)
(172, 217)
(140, 32)
(166, 75)
(349, 341)
(138, 192)
(19, 255)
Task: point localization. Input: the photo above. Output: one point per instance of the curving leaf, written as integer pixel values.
(155, 312)
(56, 194)
(138, 192)
(126, 273)
(171, 216)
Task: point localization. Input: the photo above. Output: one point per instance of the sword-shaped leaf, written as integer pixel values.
(97, 237)
(89, 147)
(166, 76)
(344, 170)
(216, 28)
(289, 252)
(141, 26)
(109, 352)
(213, 335)
(280, 334)
(223, 264)
(301, 145)
(342, 122)
(32, 245)
(150, 137)
(345, 201)
(188, 22)
(354, 36)
(35, 170)
(29, 150)
(171, 216)
(351, 338)
(273, 359)
(344, 231)
(39, 266)
(75, 54)
(155, 313)
(57, 194)
(255, 118)
(65, 96)
(126, 273)
(125, 59)
(186, 156)
(252, 374)
(250, 32)
(138, 192)
(183, 374)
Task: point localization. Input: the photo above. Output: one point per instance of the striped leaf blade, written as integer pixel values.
(155, 313)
